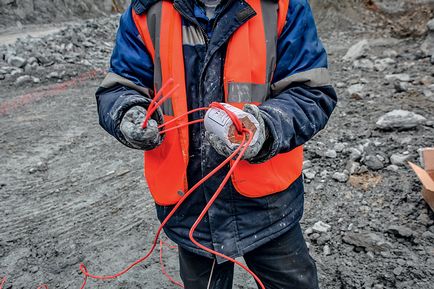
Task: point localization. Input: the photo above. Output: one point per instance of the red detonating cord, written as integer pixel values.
(163, 269)
(160, 228)
(155, 99)
(211, 201)
(238, 154)
(156, 102)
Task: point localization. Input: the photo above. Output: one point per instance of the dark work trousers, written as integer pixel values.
(283, 263)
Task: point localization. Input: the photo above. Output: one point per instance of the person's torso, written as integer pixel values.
(228, 225)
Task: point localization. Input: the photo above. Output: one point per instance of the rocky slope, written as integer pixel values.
(74, 50)
(402, 18)
(49, 11)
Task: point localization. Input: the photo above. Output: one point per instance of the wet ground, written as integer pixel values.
(69, 193)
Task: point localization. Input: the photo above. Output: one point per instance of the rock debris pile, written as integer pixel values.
(366, 222)
(73, 50)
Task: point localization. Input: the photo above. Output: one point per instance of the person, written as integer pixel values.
(263, 56)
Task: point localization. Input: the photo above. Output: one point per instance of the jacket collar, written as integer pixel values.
(141, 6)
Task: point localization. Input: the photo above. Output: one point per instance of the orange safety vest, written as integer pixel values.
(249, 66)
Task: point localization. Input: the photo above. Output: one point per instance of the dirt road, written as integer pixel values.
(10, 35)
(70, 194)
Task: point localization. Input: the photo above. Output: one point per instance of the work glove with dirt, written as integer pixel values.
(140, 138)
(221, 132)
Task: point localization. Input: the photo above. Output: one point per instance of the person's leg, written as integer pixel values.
(284, 263)
(198, 272)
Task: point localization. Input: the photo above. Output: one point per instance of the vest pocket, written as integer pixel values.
(273, 176)
(165, 169)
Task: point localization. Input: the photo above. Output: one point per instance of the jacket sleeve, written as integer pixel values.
(302, 97)
(129, 80)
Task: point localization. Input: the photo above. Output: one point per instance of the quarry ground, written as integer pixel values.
(70, 193)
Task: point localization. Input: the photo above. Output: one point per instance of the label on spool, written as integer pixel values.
(218, 122)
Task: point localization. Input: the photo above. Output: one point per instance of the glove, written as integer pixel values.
(137, 137)
(224, 149)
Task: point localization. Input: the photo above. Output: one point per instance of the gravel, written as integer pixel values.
(67, 198)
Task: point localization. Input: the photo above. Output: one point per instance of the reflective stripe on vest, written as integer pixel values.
(248, 71)
(251, 56)
(166, 165)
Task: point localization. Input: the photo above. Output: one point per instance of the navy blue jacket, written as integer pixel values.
(301, 103)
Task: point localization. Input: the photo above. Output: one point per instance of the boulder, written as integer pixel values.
(399, 159)
(367, 240)
(373, 162)
(428, 45)
(357, 51)
(356, 91)
(400, 120)
(17, 61)
(340, 177)
(430, 25)
(400, 231)
(364, 64)
(331, 154)
(400, 76)
(23, 79)
(321, 227)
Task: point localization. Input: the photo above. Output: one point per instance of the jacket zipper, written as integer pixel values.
(221, 13)
(194, 21)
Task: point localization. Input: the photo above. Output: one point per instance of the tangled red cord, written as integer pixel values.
(247, 137)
